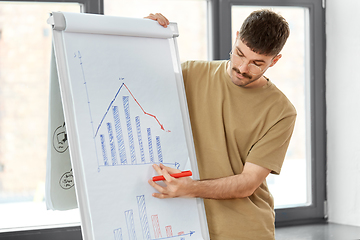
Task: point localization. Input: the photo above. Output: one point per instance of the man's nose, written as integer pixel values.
(244, 67)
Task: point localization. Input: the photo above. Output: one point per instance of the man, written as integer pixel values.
(242, 125)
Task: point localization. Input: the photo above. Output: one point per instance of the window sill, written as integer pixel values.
(325, 231)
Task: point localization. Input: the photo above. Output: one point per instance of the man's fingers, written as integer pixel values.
(156, 186)
(169, 169)
(152, 17)
(161, 19)
(161, 170)
(161, 196)
(161, 167)
(157, 169)
(161, 191)
(166, 175)
(166, 21)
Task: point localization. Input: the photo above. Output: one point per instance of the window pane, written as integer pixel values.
(25, 51)
(190, 16)
(293, 186)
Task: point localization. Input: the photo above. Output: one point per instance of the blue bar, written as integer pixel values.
(118, 234)
(158, 145)
(151, 153)
(112, 144)
(129, 128)
(138, 128)
(143, 217)
(103, 148)
(119, 135)
(129, 216)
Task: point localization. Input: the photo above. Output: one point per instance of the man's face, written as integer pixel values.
(246, 68)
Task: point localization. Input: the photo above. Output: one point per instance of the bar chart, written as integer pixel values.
(111, 135)
(119, 233)
(120, 138)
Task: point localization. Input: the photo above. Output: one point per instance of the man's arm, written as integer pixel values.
(237, 186)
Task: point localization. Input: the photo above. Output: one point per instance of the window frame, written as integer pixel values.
(221, 43)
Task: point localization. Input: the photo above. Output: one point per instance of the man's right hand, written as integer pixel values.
(163, 21)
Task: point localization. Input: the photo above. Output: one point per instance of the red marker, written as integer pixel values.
(175, 175)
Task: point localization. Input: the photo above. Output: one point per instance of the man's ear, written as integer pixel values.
(274, 61)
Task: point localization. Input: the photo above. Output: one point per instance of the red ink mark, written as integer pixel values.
(151, 115)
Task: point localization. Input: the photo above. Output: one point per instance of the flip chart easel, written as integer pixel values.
(125, 109)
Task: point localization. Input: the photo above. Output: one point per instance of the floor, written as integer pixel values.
(328, 231)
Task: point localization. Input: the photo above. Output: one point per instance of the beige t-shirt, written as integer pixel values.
(232, 125)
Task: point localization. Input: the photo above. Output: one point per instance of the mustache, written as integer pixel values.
(243, 74)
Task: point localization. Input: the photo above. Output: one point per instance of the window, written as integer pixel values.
(299, 191)
(25, 51)
(290, 74)
(191, 17)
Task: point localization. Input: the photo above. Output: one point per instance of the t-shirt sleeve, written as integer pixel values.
(270, 150)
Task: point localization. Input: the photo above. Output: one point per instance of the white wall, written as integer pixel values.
(343, 110)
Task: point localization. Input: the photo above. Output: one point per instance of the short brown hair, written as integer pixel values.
(265, 32)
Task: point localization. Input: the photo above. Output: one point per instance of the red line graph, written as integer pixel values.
(146, 113)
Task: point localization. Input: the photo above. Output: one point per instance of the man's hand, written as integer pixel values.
(161, 19)
(175, 187)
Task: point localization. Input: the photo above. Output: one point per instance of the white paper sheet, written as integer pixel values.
(127, 118)
(59, 190)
